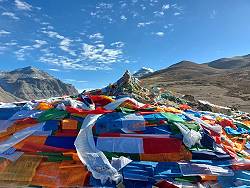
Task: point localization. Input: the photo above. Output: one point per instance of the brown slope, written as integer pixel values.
(238, 62)
(228, 86)
(185, 70)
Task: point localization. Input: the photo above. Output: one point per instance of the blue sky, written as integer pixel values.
(90, 43)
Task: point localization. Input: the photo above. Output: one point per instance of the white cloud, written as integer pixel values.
(117, 44)
(38, 8)
(65, 44)
(39, 43)
(55, 70)
(20, 55)
(96, 36)
(77, 81)
(159, 33)
(4, 32)
(91, 56)
(175, 6)
(159, 13)
(93, 13)
(53, 34)
(45, 23)
(165, 7)
(98, 54)
(71, 64)
(124, 18)
(64, 62)
(23, 52)
(143, 24)
(12, 43)
(177, 13)
(21, 5)
(47, 52)
(10, 15)
(104, 6)
(50, 27)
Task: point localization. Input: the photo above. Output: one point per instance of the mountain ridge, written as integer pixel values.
(223, 81)
(31, 83)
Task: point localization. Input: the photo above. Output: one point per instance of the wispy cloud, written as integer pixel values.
(79, 54)
(165, 7)
(124, 18)
(65, 44)
(143, 24)
(12, 43)
(53, 34)
(177, 7)
(23, 52)
(39, 43)
(55, 70)
(96, 36)
(75, 81)
(10, 15)
(62, 61)
(92, 50)
(104, 5)
(4, 32)
(159, 33)
(21, 5)
(159, 13)
(102, 11)
(162, 11)
(100, 54)
(179, 10)
(71, 64)
(117, 44)
(45, 23)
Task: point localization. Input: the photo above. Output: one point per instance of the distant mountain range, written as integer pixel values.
(224, 81)
(30, 83)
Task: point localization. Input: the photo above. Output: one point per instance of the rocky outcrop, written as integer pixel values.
(127, 85)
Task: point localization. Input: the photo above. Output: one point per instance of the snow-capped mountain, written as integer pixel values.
(142, 72)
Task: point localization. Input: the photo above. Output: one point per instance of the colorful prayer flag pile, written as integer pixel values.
(98, 140)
